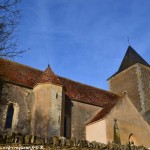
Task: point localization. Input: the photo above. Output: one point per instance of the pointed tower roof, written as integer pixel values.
(131, 57)
(49, 76)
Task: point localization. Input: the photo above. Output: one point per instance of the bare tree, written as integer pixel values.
(9, 16)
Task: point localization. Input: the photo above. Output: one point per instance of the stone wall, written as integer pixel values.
(47, 116)
(129, 122)
(128, 81)
(15, 141)
(96, 131)
(80, 114)
(145, 74)
(67, 121)
(21, 99)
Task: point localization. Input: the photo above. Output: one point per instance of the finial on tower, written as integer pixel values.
(128, 40)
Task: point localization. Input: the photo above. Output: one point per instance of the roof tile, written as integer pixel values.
(88, 94)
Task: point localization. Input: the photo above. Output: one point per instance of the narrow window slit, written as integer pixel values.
(56, 95)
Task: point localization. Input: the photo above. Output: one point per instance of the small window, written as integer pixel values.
(9, 116)
(56, 95)
(59, 119)
(131, 139)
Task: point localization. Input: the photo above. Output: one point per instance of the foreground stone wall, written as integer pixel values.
(14, 141)
(21, 99)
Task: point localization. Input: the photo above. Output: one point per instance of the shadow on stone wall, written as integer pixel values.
(1, 87)
(40, 124)
(3, 105)
(147, 116)
(3, 94)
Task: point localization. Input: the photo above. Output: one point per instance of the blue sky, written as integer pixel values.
(84, 40)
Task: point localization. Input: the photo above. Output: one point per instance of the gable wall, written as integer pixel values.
(129, 121)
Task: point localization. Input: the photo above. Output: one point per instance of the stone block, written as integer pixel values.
(68, 144)
(27, 139)
(55, 141)
(32, 138)
(1, 139)
(50, 140)
(38, 140)
(82, 143)
(73, 142)
(45, 140)
(94, 143)
(62, 141)
(21, 139)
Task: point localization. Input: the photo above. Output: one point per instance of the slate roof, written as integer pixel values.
(48, 76)
(131, 57)
(26, 76)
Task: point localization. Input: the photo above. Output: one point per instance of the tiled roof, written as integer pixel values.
(26, 76)
(48, 76)
(18, 73)
(131, 57)
(101, 114)
(88, 94)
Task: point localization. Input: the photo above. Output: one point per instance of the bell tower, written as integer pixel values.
(47, 117)
(133, 77)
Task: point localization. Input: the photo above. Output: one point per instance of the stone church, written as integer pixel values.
(44, 104)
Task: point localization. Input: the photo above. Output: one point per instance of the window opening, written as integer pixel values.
(149, 82)
(56, 95)
(9, 116)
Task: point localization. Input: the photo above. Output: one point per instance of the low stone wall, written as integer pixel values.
(19, 142)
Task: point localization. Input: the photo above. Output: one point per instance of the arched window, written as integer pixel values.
(132, 140)
(9, 116)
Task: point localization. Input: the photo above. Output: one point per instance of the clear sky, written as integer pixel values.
(84, 40)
